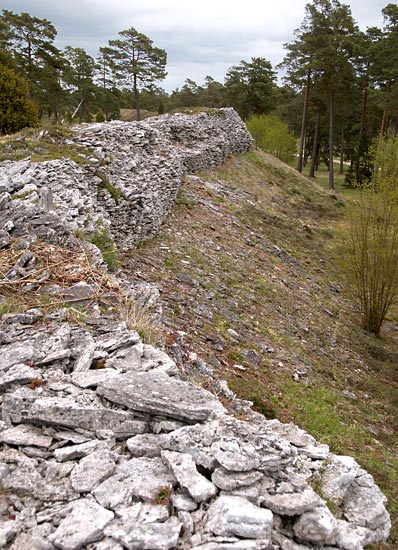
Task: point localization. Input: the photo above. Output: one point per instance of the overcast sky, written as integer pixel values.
(201, 37)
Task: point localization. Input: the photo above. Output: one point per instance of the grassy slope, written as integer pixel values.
(250, 247)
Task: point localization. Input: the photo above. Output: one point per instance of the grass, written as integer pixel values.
(42, 145)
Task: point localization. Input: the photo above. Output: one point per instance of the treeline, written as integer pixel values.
(340, 87)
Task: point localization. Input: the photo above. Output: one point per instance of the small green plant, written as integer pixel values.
(163, 496)
(106, 185)
(103, 240)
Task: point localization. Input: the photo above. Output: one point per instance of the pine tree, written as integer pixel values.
(250, 87)
(16, 109)
(137, 61)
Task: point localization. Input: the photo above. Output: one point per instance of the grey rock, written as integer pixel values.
(8, 530)
(149, 536)
(26, 406)
(91, 378)
(92, 470)
(229, 516)
(142, 478)
(337, 477)
(155, 394)
(144, 445)
(318, 526)
(364, 495)
(17, 374)
(84, 361)
(184, 469)
(291, 504)
(83, 525)
(25, 434)
(183, 502)
(229, 481)
(77, 451)
(156, 360)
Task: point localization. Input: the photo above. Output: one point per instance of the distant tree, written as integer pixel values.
(137, 61)
(80, 76)
(272, 135)
(250, 87)
(16, 109)
(321, 53)
(30, 43)
(213, 93)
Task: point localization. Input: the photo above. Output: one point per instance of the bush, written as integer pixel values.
(273, 136)
(16, 110)
(371, 249)
(100, 117)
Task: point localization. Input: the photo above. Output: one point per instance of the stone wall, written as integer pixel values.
(130, 182)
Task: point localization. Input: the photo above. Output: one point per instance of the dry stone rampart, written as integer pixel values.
(129, 184)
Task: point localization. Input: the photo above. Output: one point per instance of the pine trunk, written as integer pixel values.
(136, 98)
(314, 158)
(304, 121)
(331, 140)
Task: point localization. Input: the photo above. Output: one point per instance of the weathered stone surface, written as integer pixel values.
(139, 477)
(229, 481)
(92, 470)
(34, 539)
(25, 406)
(236, 516)
(83, 525)
(77, 451)
(365, 496)
(318, 526)
(91, 378)
(17, 374)
(149, 536)
(8, 530)
(155, 393)
(156, 360)
(337, 477)
(184, 469)
(25, 434)
(144, 445)
(291, 504)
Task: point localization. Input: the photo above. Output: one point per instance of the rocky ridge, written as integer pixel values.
(107, 445)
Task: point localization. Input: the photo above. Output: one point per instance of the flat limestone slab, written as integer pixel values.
(25, 434)
(26, 406)
(158, 394)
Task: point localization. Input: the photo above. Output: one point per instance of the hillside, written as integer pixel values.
(117, 428)
(246, 264)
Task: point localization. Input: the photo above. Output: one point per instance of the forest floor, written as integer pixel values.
(247, 266)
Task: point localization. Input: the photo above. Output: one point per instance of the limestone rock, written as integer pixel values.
(184, 469)
(149, 536)
(229, 516)
(83, 525)
(318, 526)
(144, 445)
(143, 478)
(155, 394)
(291, 504)
(92, 470)
(25, 434)
(25, 405)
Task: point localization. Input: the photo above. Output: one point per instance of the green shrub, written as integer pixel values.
(102, 239)
(273, 136)
(16, 110)
(100, 117)
(371, 242)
